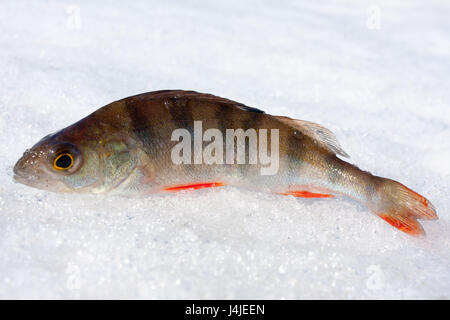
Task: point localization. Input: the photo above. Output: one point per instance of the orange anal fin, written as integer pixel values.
(409, 226)
(306, 194)
(194, 186)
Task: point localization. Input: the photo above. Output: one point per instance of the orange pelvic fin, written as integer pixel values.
(194, 186)
(306, 194)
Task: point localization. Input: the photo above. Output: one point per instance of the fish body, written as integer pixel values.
(172, 140)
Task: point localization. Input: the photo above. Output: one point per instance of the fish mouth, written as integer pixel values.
(20, 177)
(17, 178)
(23, 175)
(35, 181)
(16, 168)
(23, 180)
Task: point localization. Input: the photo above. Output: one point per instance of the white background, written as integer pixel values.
(375, 73)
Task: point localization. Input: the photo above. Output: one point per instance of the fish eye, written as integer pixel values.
(63, 162)
(64, 158)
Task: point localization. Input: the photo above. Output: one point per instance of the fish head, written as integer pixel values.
(59, 164)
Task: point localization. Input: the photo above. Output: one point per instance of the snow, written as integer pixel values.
(375, 73)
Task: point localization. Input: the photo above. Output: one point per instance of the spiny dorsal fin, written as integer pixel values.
(324, 137)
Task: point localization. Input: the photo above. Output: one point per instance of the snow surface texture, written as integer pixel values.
(375, 73)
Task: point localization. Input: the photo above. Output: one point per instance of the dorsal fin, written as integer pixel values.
(324, 137)
(249, 109)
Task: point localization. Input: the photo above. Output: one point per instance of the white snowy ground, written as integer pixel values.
(382, 85)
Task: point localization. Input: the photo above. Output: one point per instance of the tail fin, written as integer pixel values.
(400, 206)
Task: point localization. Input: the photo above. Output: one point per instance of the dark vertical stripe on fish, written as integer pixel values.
(224, 121)
(180, 110)
(143, 129)
(294, 146)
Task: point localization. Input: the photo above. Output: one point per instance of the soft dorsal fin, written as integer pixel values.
(324, 137)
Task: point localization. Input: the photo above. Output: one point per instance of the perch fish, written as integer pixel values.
(172, 140)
